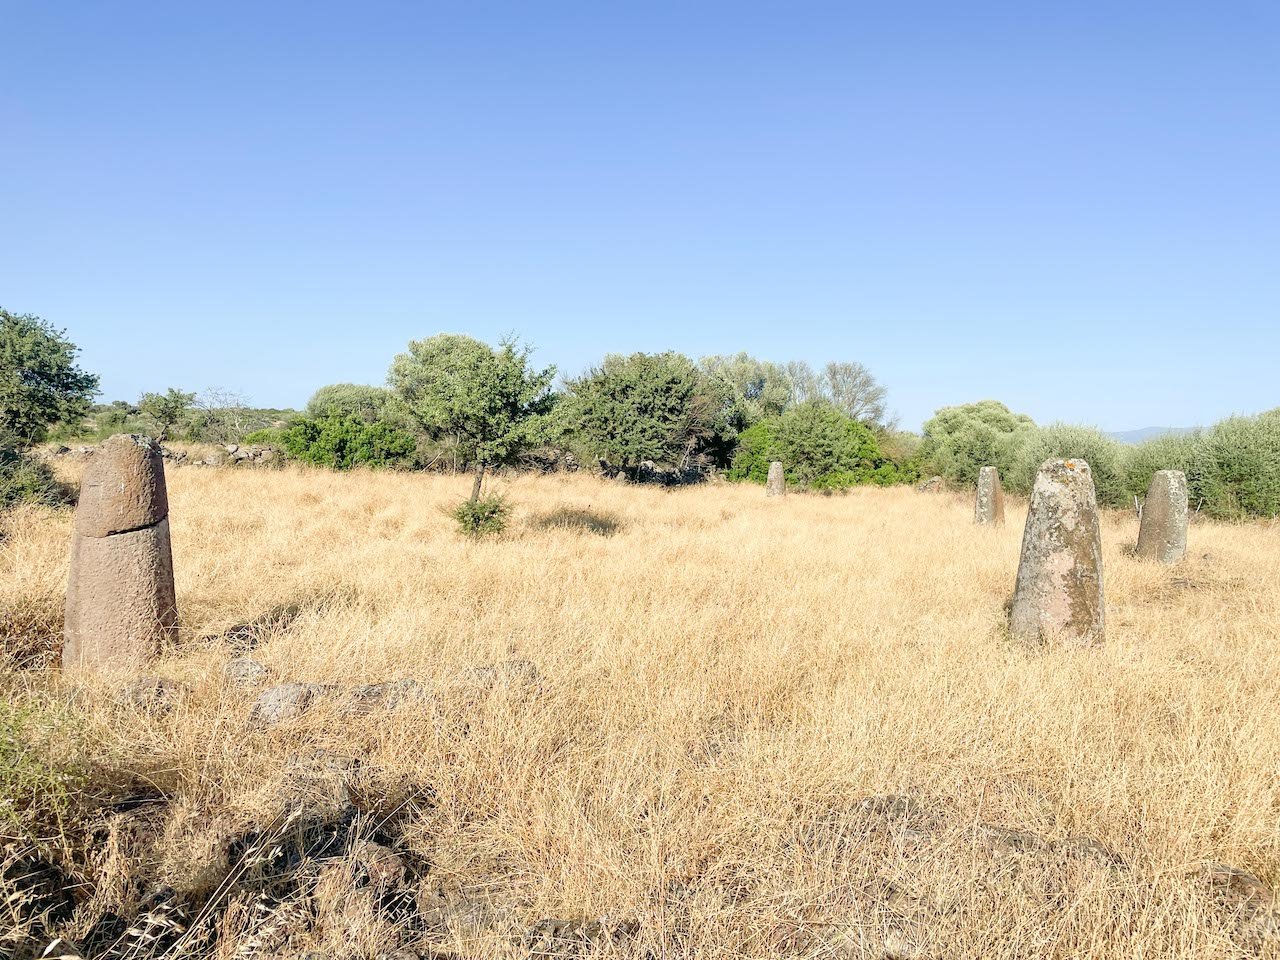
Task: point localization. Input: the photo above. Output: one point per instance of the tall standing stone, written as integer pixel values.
(777, 483)
(988, 509)
(121, 607)
(1163, 533)
(1058, 596)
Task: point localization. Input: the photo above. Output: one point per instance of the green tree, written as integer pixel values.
(346, 442)
(649, 406)
(960, 440)
(757, 448)
(758, 388)
(40, 384)
(822, 448)
(490, 401)
(165, 410)
(357, 400)
(851, 389)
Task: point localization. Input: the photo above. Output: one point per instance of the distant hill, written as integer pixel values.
(1146, 433)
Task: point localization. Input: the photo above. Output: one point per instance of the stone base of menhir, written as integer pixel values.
(121, 607)
(1058, 597)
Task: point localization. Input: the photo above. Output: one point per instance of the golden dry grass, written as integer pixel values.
(725, 679)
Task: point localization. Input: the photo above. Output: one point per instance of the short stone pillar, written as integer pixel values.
(988, 508)
(1058, 596)
(121, 607)
(1162, 535)
(776, 485)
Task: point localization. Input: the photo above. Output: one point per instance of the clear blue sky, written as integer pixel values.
(1071, 207)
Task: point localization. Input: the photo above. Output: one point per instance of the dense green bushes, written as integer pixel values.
(1108, 459)
(345, 442)
(820, 449)
(1233, 468)
(960, 440)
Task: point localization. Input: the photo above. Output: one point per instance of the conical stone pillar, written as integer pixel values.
(1162, 535)
(988, 508)
(121, 607)
(1058, 596)
(776, 485)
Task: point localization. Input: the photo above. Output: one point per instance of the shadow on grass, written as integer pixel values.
(579, 520)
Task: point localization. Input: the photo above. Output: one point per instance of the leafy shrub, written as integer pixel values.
(354, 400)
(960, 440)
(1108, 460)
(486, 516)
(649, 406)
(344, 442)
(1235, 472)
(266, 437)
(823, 449)
(24, 479)
(1170, 451)
(757, 448)
(37, 783)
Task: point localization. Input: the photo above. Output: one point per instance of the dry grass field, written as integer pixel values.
(757, 728)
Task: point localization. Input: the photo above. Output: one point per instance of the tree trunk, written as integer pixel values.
(475, 486)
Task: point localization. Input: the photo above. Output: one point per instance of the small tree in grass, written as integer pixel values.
(40, 383)
(165, 410)
(489, 401)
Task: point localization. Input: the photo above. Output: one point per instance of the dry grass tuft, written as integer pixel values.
(731, 691)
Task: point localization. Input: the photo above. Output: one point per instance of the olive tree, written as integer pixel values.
(960, 440)
(491, 402)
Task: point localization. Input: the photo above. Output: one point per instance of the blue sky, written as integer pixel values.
(1071, 207)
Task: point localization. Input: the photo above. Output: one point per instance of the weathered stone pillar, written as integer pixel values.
(1163, 533)
(988, 509)
(121, 607)
(777, 483)
(1058, 596)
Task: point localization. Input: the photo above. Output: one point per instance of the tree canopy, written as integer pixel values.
(489, 401)
(649, 406)
(40, 383)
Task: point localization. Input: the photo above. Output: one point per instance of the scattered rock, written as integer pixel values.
(286, 701)
(153, 694)
(572, 938)
(1251, 904)
(389, 695)
(1058, 596)
(932, 485)
(381, 867)
(245, 672)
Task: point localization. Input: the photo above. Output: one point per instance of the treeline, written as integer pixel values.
(1232, 468)
(456, 402)
(453, 402)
